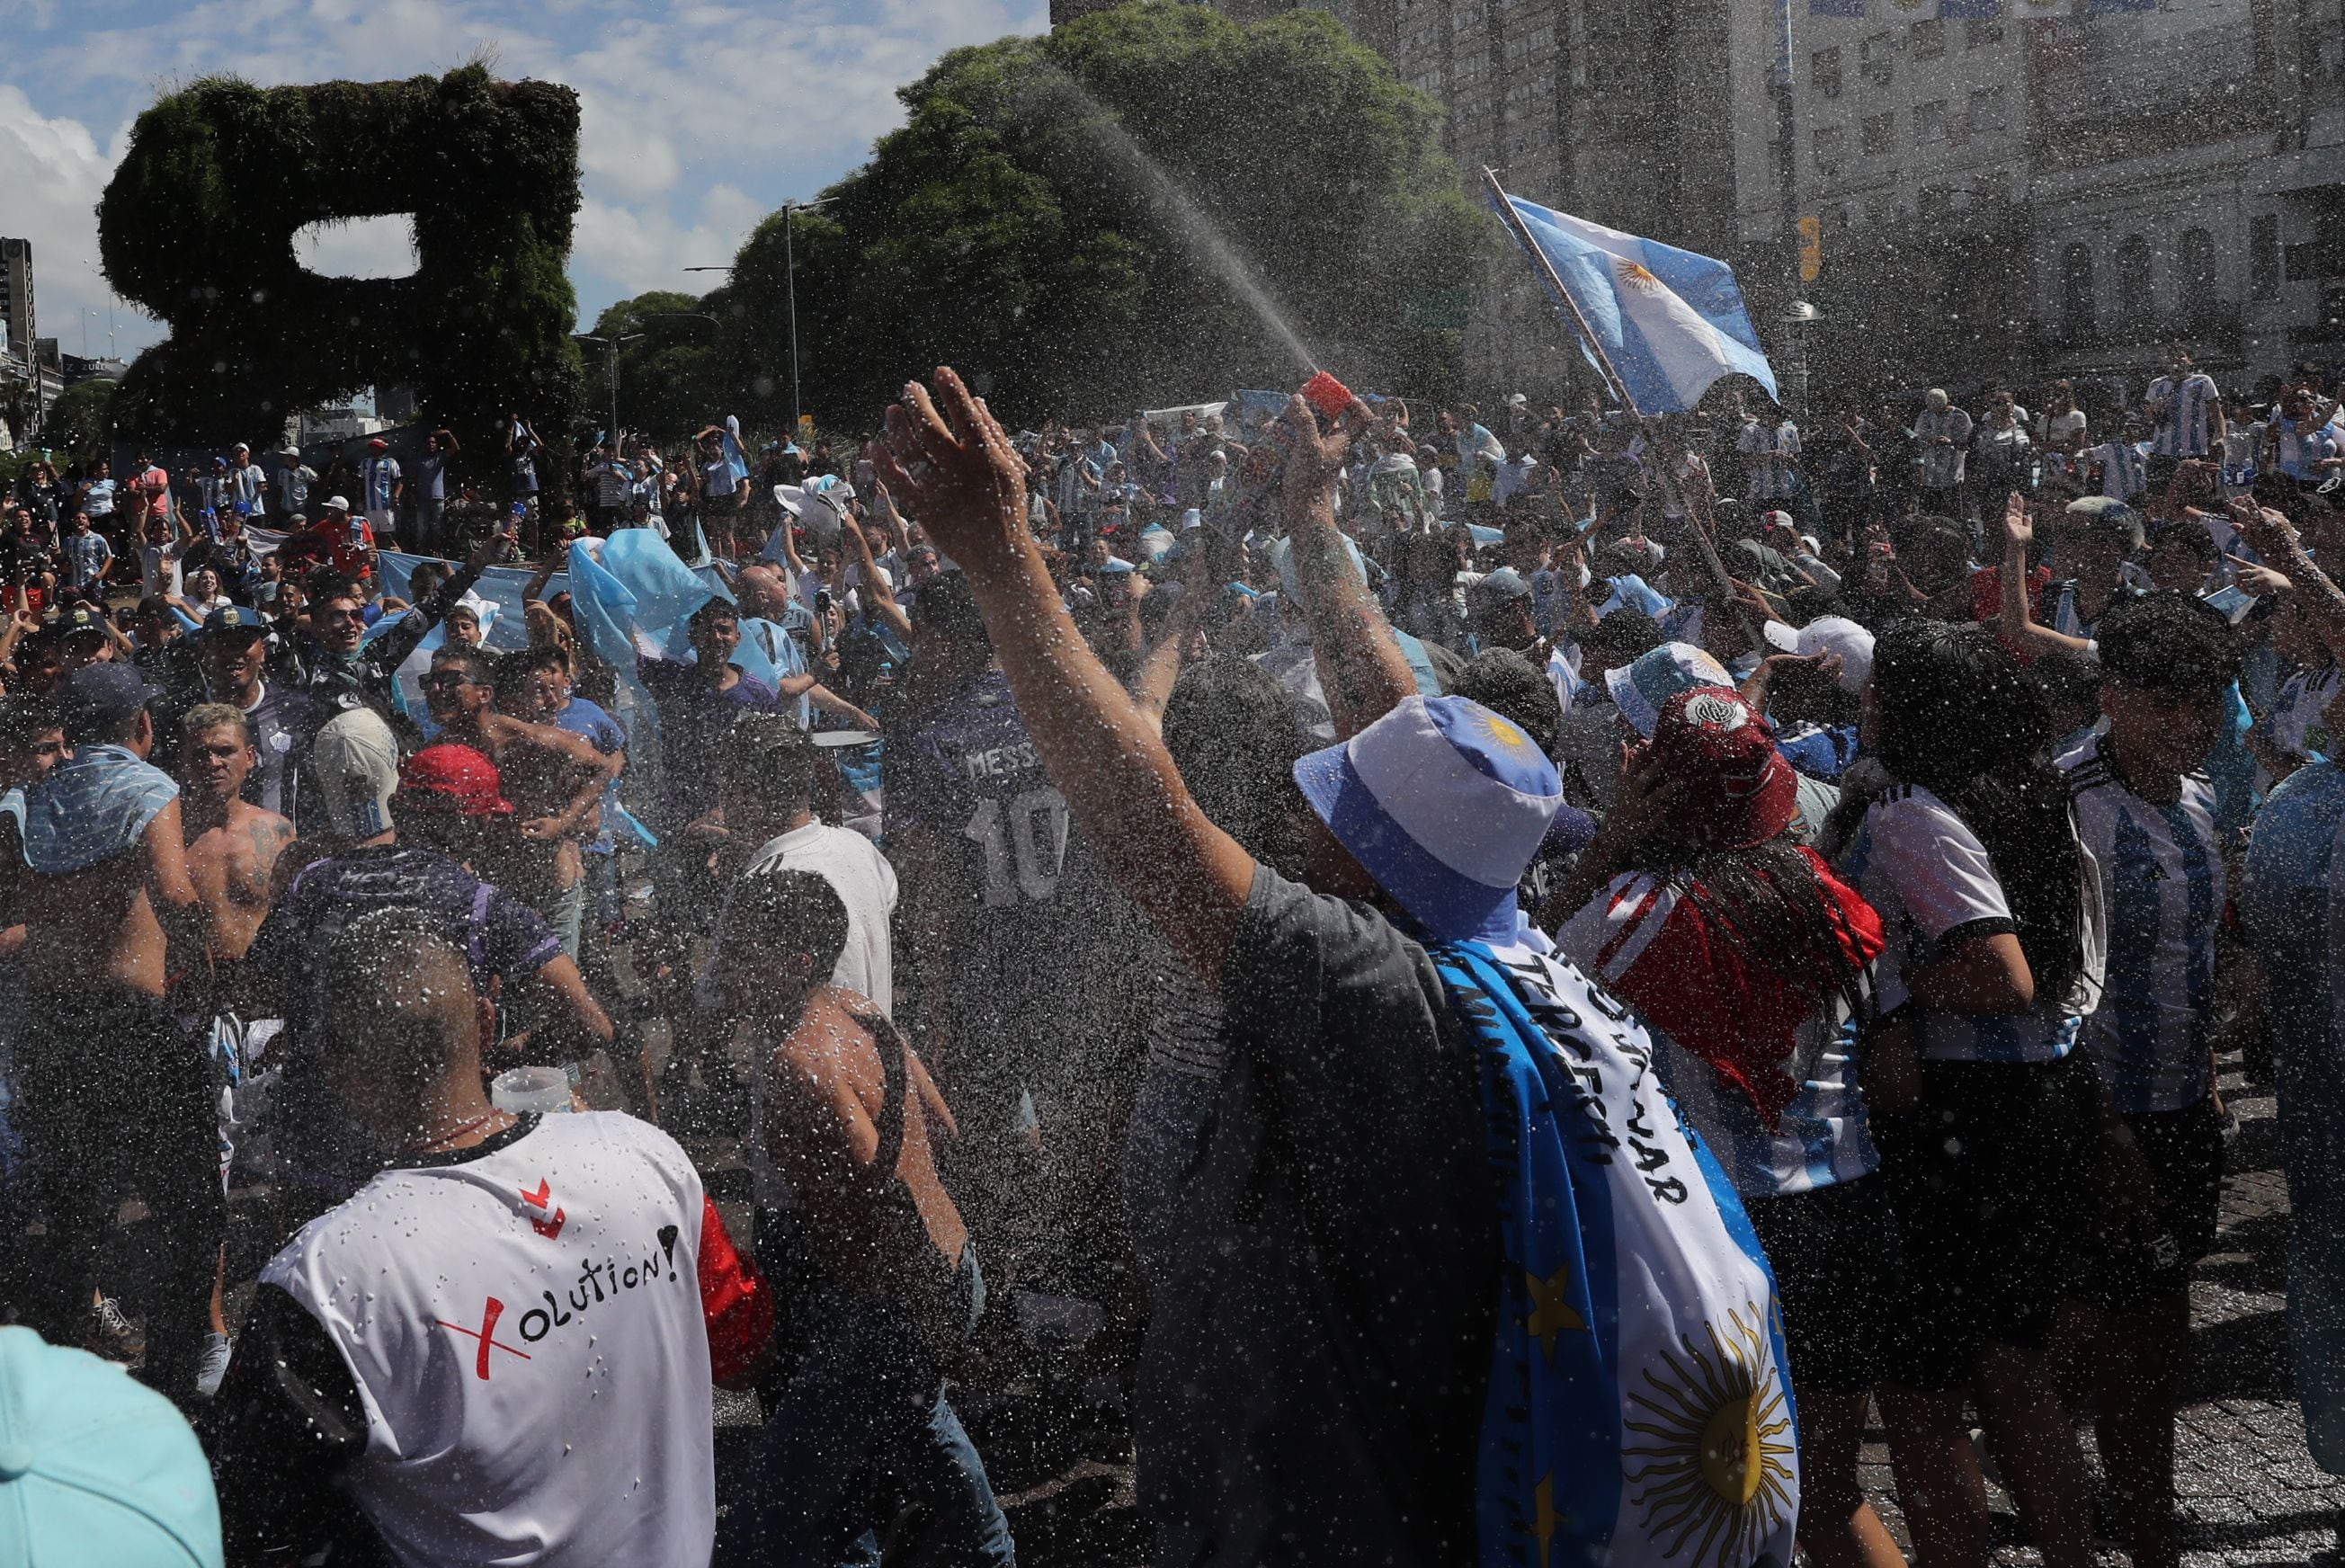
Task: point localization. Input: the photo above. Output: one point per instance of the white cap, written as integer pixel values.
(338, 503)
(1830, 634)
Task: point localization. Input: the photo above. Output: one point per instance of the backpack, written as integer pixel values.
(1639, 1408)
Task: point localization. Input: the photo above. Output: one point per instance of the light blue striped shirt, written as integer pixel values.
(2161, 870)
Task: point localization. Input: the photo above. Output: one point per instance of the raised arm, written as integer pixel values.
(1190, 877)
(2017, 619)
(2317, 594)
(876, 586)
(1360, 664)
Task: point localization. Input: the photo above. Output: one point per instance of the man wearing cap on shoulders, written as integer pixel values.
(113, 1094)
(1314, 1389)
(233, 651)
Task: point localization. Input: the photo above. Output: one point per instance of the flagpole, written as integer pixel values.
(1694, 525)
(1514, 222)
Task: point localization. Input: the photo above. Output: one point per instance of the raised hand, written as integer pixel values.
(2271, 534)
(2018, 527)
(948, 457)
(1315, 459)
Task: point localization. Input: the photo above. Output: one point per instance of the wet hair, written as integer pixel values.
(25, 718)
(1624, 634)
(2190, 535)
(768, 757)
(1515, 689)
(328, 584)
(398, 990)
(480, 664)
(2166, 642)
(216, 715)
(1234, 732)
(1960, 717)
(784, 915)
(716, 610)
(947, 606)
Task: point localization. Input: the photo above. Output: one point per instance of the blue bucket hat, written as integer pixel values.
(1444, 803)
(96, 1468)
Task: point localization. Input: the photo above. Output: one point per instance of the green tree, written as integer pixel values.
(667, 373)
(80, 423)
(1013, 226)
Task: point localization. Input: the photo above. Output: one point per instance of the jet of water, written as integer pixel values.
(1187, 220)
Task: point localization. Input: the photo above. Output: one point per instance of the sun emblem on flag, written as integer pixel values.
(1716, 1476)
(1503, 733)
(1634, 275)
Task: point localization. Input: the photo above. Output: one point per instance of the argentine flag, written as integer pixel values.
(1671, 322)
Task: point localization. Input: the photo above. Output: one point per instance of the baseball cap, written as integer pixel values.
(354, 761)
(450, 777)
(1829, 634)
(234, 621)
(1640, 687)
(98, 699)
(378, 445)
(77, 621)
(338, 503)
(97, 1467)
(1778, 517)
(1739, 791)
(1444, 803)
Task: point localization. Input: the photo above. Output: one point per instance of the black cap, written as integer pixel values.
(96, 700)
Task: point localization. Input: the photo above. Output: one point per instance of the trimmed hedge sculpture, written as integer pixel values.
(197, 227)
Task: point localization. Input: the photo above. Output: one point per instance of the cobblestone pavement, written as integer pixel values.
(2249, 1494)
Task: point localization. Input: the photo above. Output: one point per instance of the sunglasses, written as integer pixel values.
(446, 680)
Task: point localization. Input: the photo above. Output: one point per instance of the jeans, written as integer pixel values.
(863, 1427)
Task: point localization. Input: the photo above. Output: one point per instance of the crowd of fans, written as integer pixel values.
(1058, 861)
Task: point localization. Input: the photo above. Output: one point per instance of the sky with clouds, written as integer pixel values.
(697, 120)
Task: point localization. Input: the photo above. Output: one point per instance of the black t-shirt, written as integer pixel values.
(1310, 1390)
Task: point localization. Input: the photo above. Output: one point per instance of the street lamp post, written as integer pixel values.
(1800, 317)
(611, 355)
(790, 290)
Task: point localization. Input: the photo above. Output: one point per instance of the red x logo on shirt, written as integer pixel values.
(542, 1200)
(486, 1334)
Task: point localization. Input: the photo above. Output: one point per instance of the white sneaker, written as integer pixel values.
(213, 1368)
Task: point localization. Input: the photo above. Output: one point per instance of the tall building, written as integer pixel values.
(2045, 189)
(31, 376)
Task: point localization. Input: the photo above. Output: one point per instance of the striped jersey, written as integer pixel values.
(2124, 471)
(1820, 1137)
(2181, 430)
(2161, 870)
(2299, 723)
(1926, 871)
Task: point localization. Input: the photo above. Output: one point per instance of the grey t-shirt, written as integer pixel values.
(1311, 1387)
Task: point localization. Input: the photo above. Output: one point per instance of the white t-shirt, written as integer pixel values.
(1942, 467)
(2058, 428)
(158, 569)
(864, 882)
(526, 1333)
(1929, 876)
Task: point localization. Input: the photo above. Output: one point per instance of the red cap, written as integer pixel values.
(1739, 791)
(450, 777)
(378, 445)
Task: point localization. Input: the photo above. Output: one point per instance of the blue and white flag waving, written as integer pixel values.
(1671, 322)
(1639, 1411)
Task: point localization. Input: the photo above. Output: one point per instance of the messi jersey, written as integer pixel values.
(2161, 870)
(967, 772)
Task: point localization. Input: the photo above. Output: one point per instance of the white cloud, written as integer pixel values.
(697, 120)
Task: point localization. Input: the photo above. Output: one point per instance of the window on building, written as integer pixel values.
(2135, 277)
(1981, 32)
(1990, 109)
(1929, 39)
(2196, 276)
(1933, 201)
(2076, 290)
(1930, 122)
(1873, 60)
(2263, 256)
(1992, 188)
(1831, 146)
(1878, 134)
(1824, 76)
